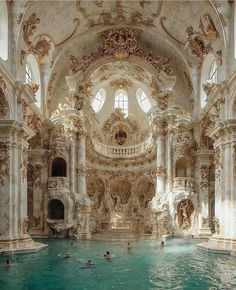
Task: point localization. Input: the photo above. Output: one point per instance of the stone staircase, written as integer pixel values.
(118, 235)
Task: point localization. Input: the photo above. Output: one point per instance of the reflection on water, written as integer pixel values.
(179, 265)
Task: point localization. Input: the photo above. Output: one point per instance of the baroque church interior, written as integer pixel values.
(117, 115)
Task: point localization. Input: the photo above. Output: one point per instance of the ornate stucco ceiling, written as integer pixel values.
(54, 30)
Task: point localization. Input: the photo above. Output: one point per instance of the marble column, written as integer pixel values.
(37, 163)
(225, 191)
(82, 161)
(169, 164)
(83, 203)
(204, 167)
(160, 145)
(73, 158)
(13, 185)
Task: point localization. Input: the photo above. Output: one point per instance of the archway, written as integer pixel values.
(56, 209)
(58, 167)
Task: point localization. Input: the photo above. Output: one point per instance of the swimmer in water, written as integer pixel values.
(7, 263)
(67, 255)
(129, 246)
(89, 264)
(107, 255)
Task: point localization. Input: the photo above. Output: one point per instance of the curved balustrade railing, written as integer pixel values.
(123, 151)
(183, 183)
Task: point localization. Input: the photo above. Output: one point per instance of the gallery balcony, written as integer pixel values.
(183, 184)
(124, 152)
(58, 184)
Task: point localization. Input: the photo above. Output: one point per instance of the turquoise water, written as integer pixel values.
(179, 265)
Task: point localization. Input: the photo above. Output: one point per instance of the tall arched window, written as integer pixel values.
(28, 74)
(99, 100)
(3, 30)
(213, 72)
(32, 75)
(143, 100)
(121, 101)
(208, 76)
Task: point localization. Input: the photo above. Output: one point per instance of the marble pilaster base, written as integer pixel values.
(82, 236)
(23, 244)
(205, 232)
(219, 244)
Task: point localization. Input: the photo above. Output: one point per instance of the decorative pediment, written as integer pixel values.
(118, 117)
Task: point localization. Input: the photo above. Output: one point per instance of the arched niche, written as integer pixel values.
(185, 209)
(145, 190)
(59, 167)
(3, 30)
(182, 168)
(56, 209)
(120, 190)
(95, 190)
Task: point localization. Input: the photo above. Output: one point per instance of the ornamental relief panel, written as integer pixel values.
(120, 199)
(42, 46)
(4, 109)
(4, 162)
(199, 42)
(118, 13)
(24, 163)
(204, 174)
(119, 130)
(120, 44)
(29, 116)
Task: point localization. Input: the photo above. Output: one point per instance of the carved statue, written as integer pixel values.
(165, 220)
(184, 210)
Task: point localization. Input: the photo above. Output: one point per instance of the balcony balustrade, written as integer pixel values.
(124, 151)
(183, 183)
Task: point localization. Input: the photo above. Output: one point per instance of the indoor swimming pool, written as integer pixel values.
(179, 265)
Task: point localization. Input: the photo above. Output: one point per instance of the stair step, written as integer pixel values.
(118, 235)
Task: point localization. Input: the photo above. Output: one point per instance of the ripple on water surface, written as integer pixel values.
(179, 265)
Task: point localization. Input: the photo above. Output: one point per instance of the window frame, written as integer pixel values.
(97, 100)
(121, 101)
(143, 100)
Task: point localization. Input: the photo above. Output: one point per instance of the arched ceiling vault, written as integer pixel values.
(57, 29)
